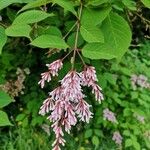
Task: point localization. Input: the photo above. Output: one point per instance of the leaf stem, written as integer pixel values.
(70, 30)
(143, 19)
(76, 37)
(81, 58)
(50, 50)
(67, 55)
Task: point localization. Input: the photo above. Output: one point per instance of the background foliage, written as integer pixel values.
(42, 28)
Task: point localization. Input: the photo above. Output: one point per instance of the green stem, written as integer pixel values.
(50, 50)
(67, 55)
(81, 58)
(76, 37)
(70, 30)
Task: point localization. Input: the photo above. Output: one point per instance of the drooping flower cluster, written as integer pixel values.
(89, 79)
(53, 69)
(140, 80)
(66, 103)
(117, 138)
(109, 115)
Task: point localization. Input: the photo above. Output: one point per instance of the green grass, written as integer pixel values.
(24, 139)
(31, 139)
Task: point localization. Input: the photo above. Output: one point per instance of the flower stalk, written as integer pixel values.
(66, 104)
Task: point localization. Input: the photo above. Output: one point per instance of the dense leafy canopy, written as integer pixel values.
(37, 32)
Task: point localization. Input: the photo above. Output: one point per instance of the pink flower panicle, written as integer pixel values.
(141, 81)
(48, 105)
(109, 115)
(83, 111)
(96, 89)
(71, 85)
(59, 134)
(117, 138)
(56, 93)
(66, 103)
(89, 76)
(89, 79)
(53, 69)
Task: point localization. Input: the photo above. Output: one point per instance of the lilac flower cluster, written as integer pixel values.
(140, 80)
(66, 103)
(109, 115)
(52, 71)
(117, 138)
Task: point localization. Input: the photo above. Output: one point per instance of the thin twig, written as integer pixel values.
(70, 30)
(142, 18)
(67, 55)
(50, 50)
(81, 58)
(76, 37)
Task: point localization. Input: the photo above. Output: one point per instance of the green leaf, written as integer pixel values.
(97, 2)
(118, 5)
(145, 97)
(94, 16)
(37, 120)
(3, 38)
(5, 99)
(52, 30)
(126, 133)
(126, 71)
(31, 16)
(91, 34)
(128, 143)
(66, 4)
(110, 78)
(139, 111)
(4, 121)
(20, 117)
(71, 39)
(130, 4)
(98, 132)
(95, 141)
(25, 122)
(134, 95)
(97, 51)
(5, 3)
(147, 142)
(117, 34)
(49, 41)
(88, 133)
(34, 4)
(18, 30)
(136, 145)
(127, 112)
(146, 3)
(125, 81)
